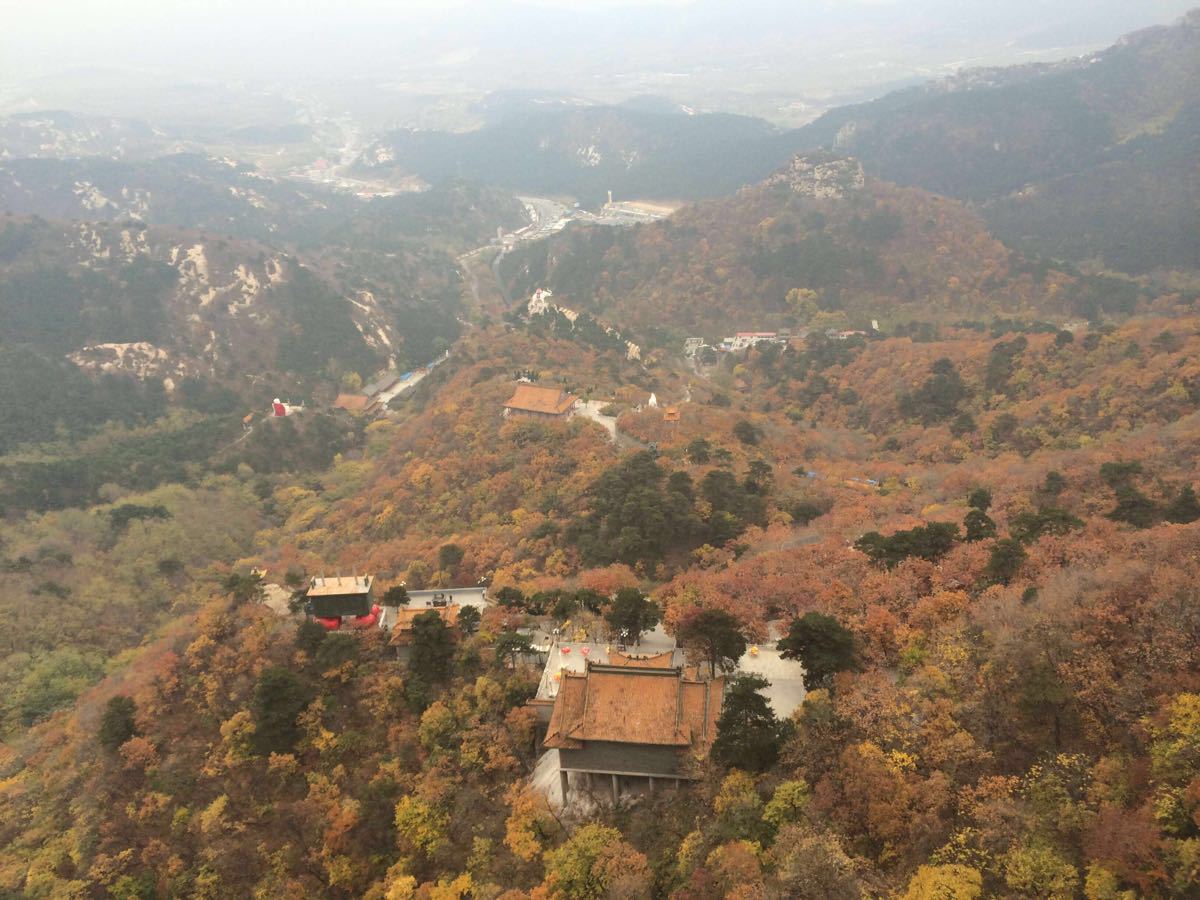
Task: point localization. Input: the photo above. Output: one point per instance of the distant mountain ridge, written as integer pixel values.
(816, 244)
(199, 192)
(586, 151)
(57, 134)
(1094, 157)
(215, 308)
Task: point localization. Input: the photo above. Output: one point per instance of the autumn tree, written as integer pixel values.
(1028, 526)
(511, 645)
(118, 724)
(244, 587)
(747, 432)
(468, 620)
(530, 823)
(450, 556)
(697, 451)
(945, 882)
(822, 644)
(432, 656)
(1037, 870)
(1184, 507)
(939, 397)
(1005, 561)
(929, 542)
(715, 635)
(979, 526)
(309, 636)
(396, 595)
(748, 733)
(279, 698)
(594, 863)
(811, 865)
(631, 613)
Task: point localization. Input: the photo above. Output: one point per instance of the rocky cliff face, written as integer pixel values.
(824, 179)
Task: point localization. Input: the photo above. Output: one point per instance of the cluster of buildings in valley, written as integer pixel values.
(547, 217)
(374, 398)
(618, 720)
(744, 340)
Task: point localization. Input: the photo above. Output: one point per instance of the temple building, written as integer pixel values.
(338, 597)
(532, 401)
(632, 722)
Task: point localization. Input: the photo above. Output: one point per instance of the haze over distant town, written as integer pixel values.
(429, 62)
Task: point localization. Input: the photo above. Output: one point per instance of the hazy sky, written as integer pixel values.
(55, 32)
(567, 44)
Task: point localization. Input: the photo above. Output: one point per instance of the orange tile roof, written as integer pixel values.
(568, 708)
(351, 402)
(634, 705)
(657, 661)
(548, 401)
(671, 414)
(402, 629)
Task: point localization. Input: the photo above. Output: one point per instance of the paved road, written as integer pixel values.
(412, 381)
(591, 410)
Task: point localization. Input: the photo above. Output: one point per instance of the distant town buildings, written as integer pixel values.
(375, 396)
(694, 347)
(744, 340)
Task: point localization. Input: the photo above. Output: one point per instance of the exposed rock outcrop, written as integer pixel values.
(824, 179)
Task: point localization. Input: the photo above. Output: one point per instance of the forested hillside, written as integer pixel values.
(170, 296)
(1094, 158)
(1001, 521)
(205, 194)
(957, 499)
(587, 151)
(775, 255)
(152, 343)
(1086, 160)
